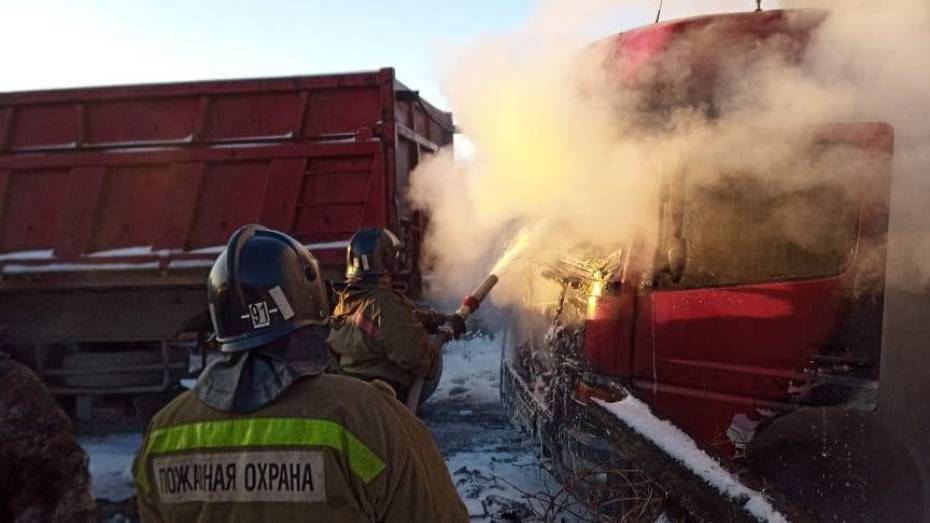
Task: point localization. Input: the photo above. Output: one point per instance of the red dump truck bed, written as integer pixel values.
(114, 201)
(156, 177)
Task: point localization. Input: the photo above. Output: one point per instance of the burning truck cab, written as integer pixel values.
(723, 319)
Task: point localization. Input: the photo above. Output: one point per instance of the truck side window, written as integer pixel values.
(747, 228)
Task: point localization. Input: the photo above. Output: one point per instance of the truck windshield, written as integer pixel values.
(746, 228)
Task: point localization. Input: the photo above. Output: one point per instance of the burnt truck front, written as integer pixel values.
(737, 331)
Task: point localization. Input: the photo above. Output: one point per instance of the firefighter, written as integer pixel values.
(378, 333)
(266, 434)
(43, 470)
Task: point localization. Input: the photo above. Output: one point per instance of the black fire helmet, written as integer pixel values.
(264, 286)
(373, 251)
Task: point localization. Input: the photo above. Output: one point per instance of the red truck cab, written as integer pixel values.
(728, 315)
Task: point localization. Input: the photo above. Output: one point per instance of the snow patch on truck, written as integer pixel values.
(43, 254)
(189, 264)
(61, 267)
(126, 251)
(328, 245)
(680, 446)
(216, 249)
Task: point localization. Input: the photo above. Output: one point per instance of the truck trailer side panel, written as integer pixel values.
(114, 201)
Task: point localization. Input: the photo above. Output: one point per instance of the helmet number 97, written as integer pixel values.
(258, 312)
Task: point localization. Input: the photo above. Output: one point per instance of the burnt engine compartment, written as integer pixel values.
(545, 382)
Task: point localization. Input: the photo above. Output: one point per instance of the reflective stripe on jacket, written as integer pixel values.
(330, 449)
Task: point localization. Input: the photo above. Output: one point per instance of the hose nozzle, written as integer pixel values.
(473, 300)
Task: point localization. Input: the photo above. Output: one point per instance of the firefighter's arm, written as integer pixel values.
(416, 486)
(433, 321)
(148, 509)
(406, 342)
(430, 319)
(145, 494)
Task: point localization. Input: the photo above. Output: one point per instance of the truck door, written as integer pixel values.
(764, 276)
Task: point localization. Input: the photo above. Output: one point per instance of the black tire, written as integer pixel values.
(840, 465)
(120, 358)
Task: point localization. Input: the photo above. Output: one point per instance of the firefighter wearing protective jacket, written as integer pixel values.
(378, 332)
(266, 435)
(43, 470)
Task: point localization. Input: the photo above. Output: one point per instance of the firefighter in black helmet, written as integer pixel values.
(266, 434)
(378, 332)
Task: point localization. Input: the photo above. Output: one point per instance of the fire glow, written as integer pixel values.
(597, 289)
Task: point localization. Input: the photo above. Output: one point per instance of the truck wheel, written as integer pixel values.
(839, 464)
(110, 379)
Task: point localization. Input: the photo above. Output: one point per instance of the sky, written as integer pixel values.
(97, 42)
(56, 43)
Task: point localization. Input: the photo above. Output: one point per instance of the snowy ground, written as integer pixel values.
(495, 469)
(111, 464)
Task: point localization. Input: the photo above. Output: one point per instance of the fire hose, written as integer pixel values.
(469, 305)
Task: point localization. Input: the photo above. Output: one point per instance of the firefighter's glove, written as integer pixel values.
(431, 320)
(457, 325)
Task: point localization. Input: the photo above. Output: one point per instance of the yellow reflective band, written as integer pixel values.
(261, 432)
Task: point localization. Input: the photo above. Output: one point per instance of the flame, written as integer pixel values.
(597, 289)
(516, 247)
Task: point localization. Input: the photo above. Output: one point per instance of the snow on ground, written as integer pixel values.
(497, 482)
(111, 464)
(471, 371)
(679, 445)
(493, 465)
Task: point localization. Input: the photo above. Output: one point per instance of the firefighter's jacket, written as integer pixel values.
(377, 334)
(329, 449)
(43, 470)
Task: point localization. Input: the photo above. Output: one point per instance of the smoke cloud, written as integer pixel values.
(579, 146)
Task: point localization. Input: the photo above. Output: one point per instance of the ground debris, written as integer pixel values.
(472, 482)
(117, 511)
(501, 509)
